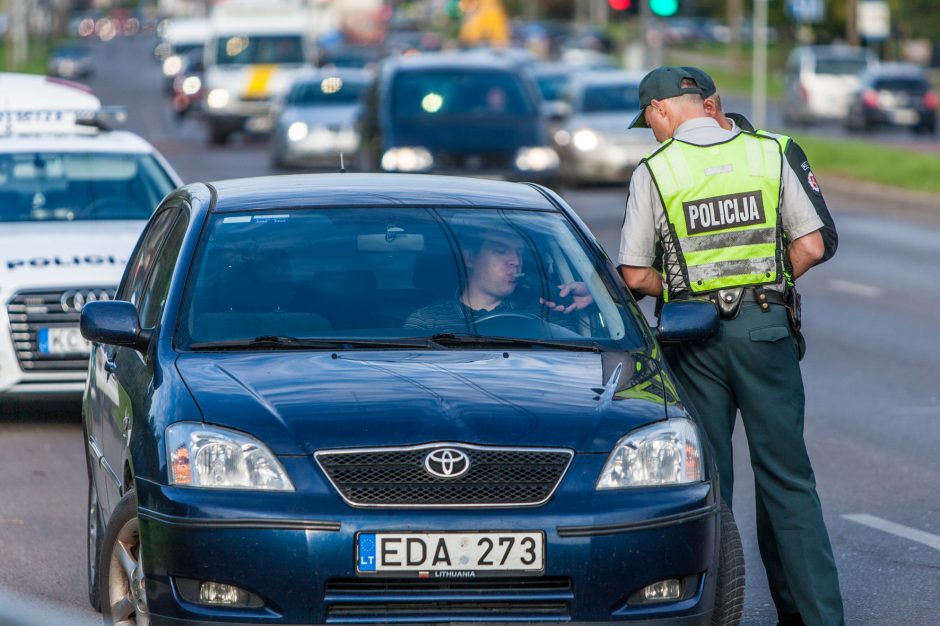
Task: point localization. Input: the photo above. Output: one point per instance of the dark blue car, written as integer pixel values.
(358, 399)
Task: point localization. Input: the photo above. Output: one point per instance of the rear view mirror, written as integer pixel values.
(688, 320)
(394, 240)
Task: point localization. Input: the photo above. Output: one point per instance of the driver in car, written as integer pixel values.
(493, 262)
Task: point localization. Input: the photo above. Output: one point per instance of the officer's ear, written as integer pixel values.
(655, 108)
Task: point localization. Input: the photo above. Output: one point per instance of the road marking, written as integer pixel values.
(898, 530)
(858, 289)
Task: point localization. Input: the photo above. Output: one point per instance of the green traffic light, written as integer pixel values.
(664, 8)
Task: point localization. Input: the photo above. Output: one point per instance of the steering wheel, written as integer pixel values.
(526, 325)
(499, 316)
(92, 208)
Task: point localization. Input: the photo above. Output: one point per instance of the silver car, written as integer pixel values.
(594, 142)
(317, 119)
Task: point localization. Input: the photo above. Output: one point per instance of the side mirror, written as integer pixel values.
(115, 323)
(688, 320)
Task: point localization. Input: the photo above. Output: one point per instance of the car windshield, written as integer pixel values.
(552, 86)
(187, 48)
(326, 91)
(49, 186)
(621, 97)
(279, 49)
(439, 95)
(838, 65)
(910, 85)
(447, 276)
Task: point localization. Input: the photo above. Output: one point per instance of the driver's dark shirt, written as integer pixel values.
(450, 315)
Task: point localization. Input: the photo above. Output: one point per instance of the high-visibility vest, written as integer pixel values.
(722, 205)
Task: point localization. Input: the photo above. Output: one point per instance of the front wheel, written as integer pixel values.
(121, 575)
(729, 592)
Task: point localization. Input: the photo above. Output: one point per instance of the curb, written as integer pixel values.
(869, 197)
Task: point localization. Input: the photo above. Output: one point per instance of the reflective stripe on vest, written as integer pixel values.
(722, 204)
(783, 140)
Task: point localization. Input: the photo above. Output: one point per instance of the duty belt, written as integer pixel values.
(729, 301)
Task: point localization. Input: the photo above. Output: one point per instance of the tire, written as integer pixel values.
(218, 135)
(729, 590)
(121, 578)
(94, 547)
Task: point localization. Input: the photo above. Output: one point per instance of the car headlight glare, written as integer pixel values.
(664, 453)
(537, 159)
(297, 131)
(414, 159)
(585, 140)
(211, 457)
(172, 65)
(191, 85)
(218, 98)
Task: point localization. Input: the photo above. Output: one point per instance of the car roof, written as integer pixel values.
(184, 30)
(378, 190)
(116, 141)
(449, 59)
(34, 92)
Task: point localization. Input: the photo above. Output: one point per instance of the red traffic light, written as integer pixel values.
(620, 5)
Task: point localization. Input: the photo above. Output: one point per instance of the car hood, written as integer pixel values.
(468, 134)
(301, 402)
(613, 125)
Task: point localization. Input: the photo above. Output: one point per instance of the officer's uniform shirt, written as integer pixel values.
(642, 228)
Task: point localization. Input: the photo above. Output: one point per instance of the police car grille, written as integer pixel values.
(34, 313)
(397, 477)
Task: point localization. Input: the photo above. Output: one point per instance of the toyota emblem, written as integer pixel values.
(447, 463)
(73, 300)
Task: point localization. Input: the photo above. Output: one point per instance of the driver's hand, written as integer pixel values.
(581, 297)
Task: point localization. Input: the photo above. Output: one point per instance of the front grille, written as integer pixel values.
(33, 311)
(448, 611)
(397, 476)
(476, 586)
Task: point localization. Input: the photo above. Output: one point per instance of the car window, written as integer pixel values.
(910, 85)
(840, 65)
(443, 94)
(138, 268)
(327, 91)
(239, 49)
(598, 98)
(552, 86)
(377, 273)
(56, 187)
(153, 296)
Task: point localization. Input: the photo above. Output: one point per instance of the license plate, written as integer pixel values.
(259, 124)
(445, 555)
(62, 341)
(904, 116)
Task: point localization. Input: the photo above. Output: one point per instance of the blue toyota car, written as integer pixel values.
(397, 399)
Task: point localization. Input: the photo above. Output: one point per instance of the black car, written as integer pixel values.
(475, 114)
(894, 94)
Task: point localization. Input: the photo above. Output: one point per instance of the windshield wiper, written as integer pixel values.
(464, 339)
(294, 343)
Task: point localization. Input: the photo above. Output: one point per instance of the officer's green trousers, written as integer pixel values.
(752, 366)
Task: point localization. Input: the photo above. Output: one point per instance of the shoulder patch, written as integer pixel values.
(805, 166)
(811, 179)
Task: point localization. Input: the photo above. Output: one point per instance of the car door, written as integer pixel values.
(115, 366)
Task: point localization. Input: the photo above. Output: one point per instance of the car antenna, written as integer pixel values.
(342, 167)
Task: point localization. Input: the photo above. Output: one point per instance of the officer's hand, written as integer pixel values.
(581, 297)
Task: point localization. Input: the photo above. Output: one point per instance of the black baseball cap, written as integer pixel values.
(703, 80)
(662, 83)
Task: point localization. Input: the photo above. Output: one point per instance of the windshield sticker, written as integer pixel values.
(270, 219)
(238, 219)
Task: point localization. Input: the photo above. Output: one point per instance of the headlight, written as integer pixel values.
(585, 140)
(407, 160)
(218, 98)
(218, 458)
(665, 453)
(297, 131)
(172, 65)
(191, 85)
(536, 159)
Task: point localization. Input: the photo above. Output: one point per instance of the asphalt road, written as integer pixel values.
(873, 404)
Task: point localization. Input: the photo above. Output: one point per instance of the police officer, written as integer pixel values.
(734, 226)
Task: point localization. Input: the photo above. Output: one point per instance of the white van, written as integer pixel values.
(820, 81)
(253, 54)
(74, 199)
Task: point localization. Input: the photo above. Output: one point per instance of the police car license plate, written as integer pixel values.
(445, 555)
(62, 341)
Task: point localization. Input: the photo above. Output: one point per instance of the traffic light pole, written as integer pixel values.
(759, 67)
(652, 37)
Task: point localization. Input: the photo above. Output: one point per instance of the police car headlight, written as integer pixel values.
(218, 458)
(585, 140)
(407, 160)
(218, 98)
(664, 453)
(297, 131)
(172, 65)
(538, 159)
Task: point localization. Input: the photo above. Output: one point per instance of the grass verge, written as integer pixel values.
(36, 58)
(873, 162)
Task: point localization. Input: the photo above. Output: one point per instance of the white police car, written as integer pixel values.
(74, 198)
